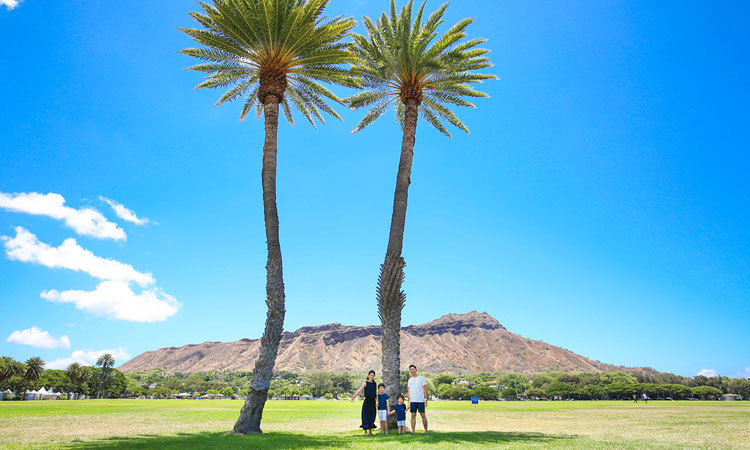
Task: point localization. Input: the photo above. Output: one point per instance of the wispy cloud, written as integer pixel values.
(10, 4)
(85, 221)
(742, 373)
(707, 373)
(36, 337)
(123, 212)
(115, 300)
(69, 255)
(89, 357)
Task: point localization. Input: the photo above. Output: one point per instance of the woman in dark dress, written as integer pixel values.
(368, 405)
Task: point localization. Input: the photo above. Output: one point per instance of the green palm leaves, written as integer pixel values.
(400, 60)
(285, 48)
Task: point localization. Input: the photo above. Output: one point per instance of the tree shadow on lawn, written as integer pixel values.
(295, 441)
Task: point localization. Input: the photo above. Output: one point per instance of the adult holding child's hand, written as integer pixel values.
(368, 404)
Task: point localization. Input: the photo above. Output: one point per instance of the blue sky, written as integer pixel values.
(600, 203)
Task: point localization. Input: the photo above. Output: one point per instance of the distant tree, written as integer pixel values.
(536, 392)
(34, 369)
(619, 390)
(442, 379)
(9, 368)
(56, 380)
(227, 392)
(677, 391)
(542, 381)
(341, 384)
(106, 362)
(484, 393)
(740, 386)
(513, 385)
(561, 389)
(320, 383)
(618, 377)
(706, 392)
(592, 391)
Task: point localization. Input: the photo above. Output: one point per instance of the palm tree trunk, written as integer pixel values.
(389, 294)
(252, 411)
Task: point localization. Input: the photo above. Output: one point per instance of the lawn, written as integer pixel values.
(179, 424)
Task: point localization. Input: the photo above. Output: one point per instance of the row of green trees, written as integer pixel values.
(103, 380)
(83, 380)
(274, 55)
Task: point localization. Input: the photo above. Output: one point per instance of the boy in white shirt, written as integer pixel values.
(417, 394)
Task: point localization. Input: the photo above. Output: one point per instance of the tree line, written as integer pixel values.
(104, 381)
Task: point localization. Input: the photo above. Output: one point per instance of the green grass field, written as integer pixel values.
(180, 424)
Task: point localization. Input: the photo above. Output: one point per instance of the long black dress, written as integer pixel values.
(368, 406)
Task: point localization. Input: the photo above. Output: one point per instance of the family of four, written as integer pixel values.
(377, 399)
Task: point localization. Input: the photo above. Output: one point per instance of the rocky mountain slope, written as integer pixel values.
(451, 344)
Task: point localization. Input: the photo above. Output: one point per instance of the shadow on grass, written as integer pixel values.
(293, 441)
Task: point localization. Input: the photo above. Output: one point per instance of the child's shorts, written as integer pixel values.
(401, 423)
(382, 414)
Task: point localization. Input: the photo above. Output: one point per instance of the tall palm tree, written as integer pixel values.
(271, 53)
(401, 63)
(106, 362)
(34, 370)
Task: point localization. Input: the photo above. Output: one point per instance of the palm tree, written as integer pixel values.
(9, 368)
(400, 62)
(106, 362)
(78, 375)
(272, 53)
(34, 370)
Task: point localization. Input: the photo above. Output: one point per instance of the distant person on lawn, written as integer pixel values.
(368, 404)
(417, 398)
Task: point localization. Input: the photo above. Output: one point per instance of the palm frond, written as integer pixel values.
(402, 57)
(288, 46)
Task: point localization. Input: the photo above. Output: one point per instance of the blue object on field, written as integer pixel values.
(474, 400)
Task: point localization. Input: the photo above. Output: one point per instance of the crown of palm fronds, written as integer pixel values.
(399, 60)
(284, 48)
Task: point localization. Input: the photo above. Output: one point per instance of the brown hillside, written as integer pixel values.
(453, 343)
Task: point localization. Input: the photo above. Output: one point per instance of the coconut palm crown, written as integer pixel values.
(284, 48)
(401, 60)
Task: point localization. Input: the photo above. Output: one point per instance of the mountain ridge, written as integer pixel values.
(453, 343)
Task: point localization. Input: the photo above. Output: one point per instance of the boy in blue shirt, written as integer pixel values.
(400, 410)
(384, 405)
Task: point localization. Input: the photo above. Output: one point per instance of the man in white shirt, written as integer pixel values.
(417, 398)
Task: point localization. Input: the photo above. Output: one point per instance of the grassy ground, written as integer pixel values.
(180, 424)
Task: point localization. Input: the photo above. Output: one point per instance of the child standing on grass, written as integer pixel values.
(400, 410)
(384, 405)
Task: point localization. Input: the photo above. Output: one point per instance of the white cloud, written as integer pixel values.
(88, 358)
(85, 221)
(10, 4)
(742, 373)
(707, 373)
(69, 255)
(36, 337)
(115, 300)
(123, 212)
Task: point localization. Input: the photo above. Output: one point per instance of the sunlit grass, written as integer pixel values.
(121, 424)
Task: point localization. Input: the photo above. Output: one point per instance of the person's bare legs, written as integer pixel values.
(424, 422)
(413, 421)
